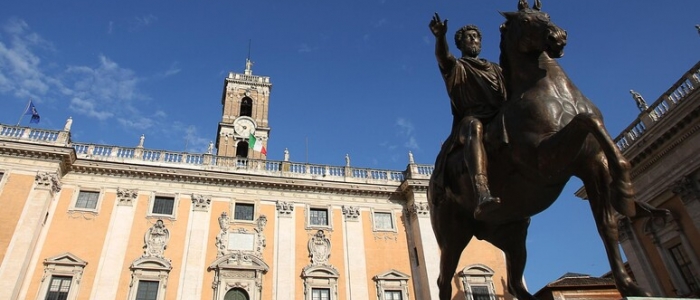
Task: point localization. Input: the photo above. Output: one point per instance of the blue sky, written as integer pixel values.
(355, 77)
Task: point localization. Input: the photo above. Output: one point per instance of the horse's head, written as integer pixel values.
(530, 30)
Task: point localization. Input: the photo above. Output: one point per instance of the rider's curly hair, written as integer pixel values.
(460, 33)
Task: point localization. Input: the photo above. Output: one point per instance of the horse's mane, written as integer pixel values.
(503, 58)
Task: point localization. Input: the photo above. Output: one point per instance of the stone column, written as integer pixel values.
(688, 190)
(637, 258)
(355, 262)
(286, 273)
(425, 253)
(109, 268)
(29, 226)
(193, 261)
(427, 249)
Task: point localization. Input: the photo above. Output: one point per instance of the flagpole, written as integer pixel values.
(24, 111)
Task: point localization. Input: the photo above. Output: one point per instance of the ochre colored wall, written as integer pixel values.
(13, 196)
(382, 254)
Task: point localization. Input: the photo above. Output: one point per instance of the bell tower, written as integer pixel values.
(245, 101)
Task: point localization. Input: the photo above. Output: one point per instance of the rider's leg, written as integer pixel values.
(471, 135)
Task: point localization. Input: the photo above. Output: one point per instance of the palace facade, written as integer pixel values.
(88, 221)
(663, 146)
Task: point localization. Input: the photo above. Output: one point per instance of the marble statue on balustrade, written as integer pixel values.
(545, 132)
(641, 104)
(68, 125)
(141, 140)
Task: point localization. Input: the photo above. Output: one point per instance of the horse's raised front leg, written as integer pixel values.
(557, 153)
(598, 193)
(511, 238)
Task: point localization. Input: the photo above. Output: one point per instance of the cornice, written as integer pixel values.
(665, 143)
(64, 155)
(183, 175)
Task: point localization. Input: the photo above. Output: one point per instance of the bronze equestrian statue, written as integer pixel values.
(545, 132)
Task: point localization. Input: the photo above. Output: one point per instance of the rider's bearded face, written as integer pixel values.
(470, 44)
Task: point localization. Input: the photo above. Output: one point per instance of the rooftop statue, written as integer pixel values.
(542, 133)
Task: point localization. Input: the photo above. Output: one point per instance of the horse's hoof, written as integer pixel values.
(485, 210)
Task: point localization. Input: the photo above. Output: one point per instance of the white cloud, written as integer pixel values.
(405, 126)
(405, 130)
(304, 48)
(19, 65)
(142, 21)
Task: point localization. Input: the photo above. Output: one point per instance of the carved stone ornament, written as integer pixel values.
(624, 229)
(319, 248)
(48, 181)
(285, 208)
(351, 213)
(200, 202)
(419, 209)
(687, 189)
(238, 285)
(126, 197)
(224, 221)
(156, 240)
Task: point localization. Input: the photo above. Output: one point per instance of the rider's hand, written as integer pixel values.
(438, 27)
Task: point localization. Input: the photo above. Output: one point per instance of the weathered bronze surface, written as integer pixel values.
(543, 133)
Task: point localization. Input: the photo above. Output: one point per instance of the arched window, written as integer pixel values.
(246, 107)
(477, 282)
(236, 294)
(242, 149)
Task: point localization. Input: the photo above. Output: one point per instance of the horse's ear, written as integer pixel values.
(522, 4)
(508, 15)
(538, 5)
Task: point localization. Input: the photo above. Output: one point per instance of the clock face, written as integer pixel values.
(244, 127)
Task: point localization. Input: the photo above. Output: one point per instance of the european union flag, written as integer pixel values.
(31, 110)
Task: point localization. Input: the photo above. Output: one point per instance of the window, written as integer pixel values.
(87, 200)
(59, 288)
(320, 294)
(392, 285)
(392, 295)
(684, 265)
(241, 151)
(63, 273)
(236, 294)
(149, 276)
(383, 221)
(477, 282)
(481, 293)
(243, 211)
(246, 107)
(163, 205)
(148, 290)
(318, 217)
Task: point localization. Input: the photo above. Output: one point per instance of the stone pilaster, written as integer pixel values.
(285, 275)
(355, 261)
(193, 262)
(29, 226)
(111, 263)
(425, 258)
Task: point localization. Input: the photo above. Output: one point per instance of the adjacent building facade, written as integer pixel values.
(88, 221)
(663, 146)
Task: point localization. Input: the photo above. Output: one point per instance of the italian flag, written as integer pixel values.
(256, 145)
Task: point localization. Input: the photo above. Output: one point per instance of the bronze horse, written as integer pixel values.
(548, 131)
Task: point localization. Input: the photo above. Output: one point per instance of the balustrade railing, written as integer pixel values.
(236, 164)
(668, 101)
(32, 134)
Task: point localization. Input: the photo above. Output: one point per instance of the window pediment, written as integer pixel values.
(65, 259)
(392, 275)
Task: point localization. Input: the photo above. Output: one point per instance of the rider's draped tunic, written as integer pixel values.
(477, 89)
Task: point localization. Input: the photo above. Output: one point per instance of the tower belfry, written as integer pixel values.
(245, 107)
